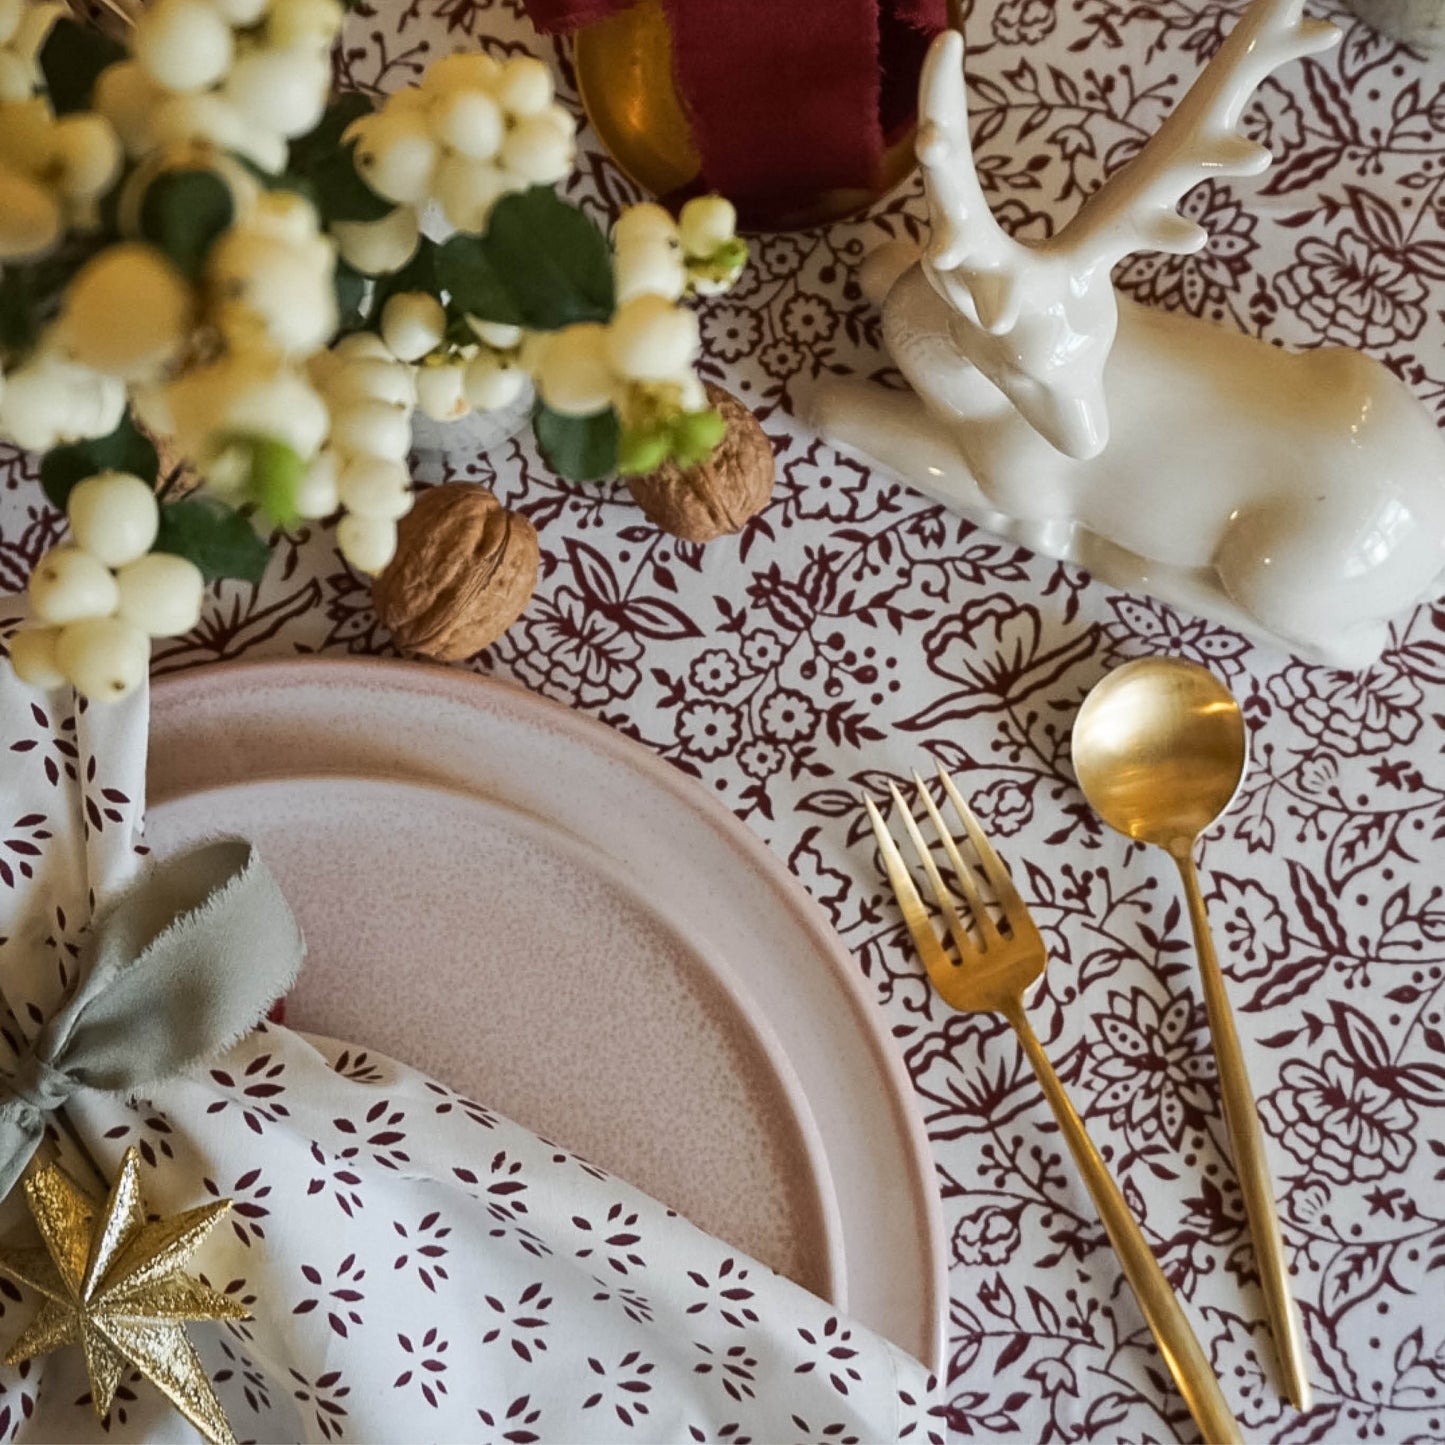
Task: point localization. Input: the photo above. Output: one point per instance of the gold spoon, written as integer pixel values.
(1160, 749)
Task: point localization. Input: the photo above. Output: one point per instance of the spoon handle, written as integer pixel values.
(1246, 1140)
(1178, 1344)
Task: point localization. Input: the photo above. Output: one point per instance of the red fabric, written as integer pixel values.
(785, 97)
(560, 17)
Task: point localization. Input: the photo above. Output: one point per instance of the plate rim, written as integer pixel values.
(527, 706)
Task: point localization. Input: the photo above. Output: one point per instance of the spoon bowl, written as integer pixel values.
(1160, 749)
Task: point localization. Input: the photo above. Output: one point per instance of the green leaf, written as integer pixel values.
(217, 538)
(580, 448)
(327, 166)
(350, 295)
(183, 213)
(553, 261)
(126, 449)
(465, 271)
(19, 323)
(71, 58)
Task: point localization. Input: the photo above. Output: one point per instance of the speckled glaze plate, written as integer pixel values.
(524, 903)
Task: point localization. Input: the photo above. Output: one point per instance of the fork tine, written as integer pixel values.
(967, 884)
(915, 915)
(1003, 884)
(941, 895)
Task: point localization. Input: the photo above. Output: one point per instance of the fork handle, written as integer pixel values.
(1177, 1342)
(1246, 1143)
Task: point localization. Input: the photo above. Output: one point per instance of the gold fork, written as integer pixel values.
(992, 976)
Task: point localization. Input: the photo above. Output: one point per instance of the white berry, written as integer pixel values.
(33, 657)
(362, 346)
(303, 24)
(68, 584)
(466, 70)
(104, 658)
(127, 97)
(372, 380)
(275, 287)
(368, 543)
(30, 220)
(646, 221)
(469, 122)
(650, 339)
(86, 156)
(208, 117)
(114, 516)
(317, 495)
(706, 224)
(395, 155)
(440, 392)
(540, 148)
(649, 268)
(372, 429)
(183, 44)
(377, 248)
(285, 90)
(412, 324)
(499, 335)
(27, 139)
(491, 385)
(524, 86)
(11, 13)
(575, 376)
(161, 594)
(128, 311)
(466, 190)
(374, 487)
(241, 14)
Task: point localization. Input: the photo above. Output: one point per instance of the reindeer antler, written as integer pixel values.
(1134, 209)
(966, 238)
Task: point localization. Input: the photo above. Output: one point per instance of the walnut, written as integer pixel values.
(463, 571)
(700, 503)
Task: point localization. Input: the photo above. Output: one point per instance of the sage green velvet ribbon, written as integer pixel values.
(177, 969)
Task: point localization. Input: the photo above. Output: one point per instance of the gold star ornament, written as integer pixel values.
(112, 1283)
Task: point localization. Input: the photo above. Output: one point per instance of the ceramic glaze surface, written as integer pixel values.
(1296, 496)
(512, 962)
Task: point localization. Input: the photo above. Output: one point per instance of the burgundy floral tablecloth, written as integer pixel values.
(853, 632)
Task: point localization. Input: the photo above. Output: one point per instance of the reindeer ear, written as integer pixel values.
(996, 298)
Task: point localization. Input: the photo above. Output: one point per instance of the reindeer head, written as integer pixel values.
(1039, 321)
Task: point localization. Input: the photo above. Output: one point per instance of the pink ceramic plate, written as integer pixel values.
(523, 902)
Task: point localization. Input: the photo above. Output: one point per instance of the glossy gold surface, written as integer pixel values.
(1160, 748)
(997, 962)
(624, 74)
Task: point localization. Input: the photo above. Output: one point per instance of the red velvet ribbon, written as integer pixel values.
(786, 97)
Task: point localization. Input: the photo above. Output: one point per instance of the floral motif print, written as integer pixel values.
(1339, 1122)
(1156, 1077)
(913, 638)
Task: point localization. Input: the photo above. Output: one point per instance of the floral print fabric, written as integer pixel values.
(854, 632)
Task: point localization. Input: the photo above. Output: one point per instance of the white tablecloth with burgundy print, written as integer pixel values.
(854, 631)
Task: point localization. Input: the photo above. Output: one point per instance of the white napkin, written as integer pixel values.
(418, 1267)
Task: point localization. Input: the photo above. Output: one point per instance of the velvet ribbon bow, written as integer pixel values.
(175, 970)
(785, 97)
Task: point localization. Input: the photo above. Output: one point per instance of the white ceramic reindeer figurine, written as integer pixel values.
(1296, 496)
